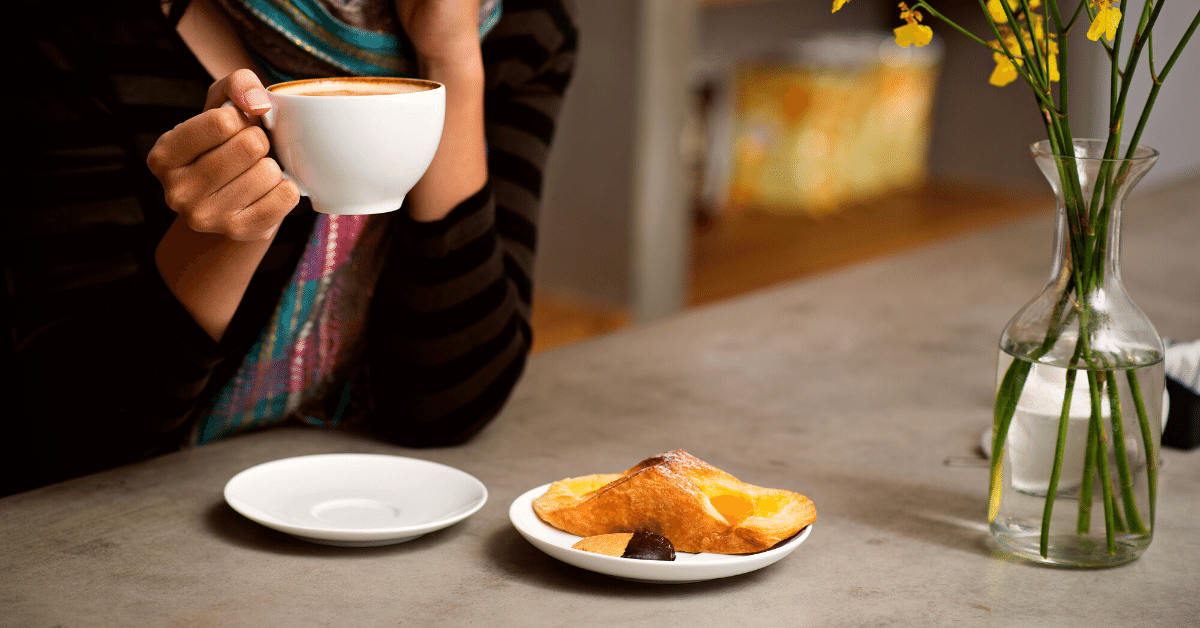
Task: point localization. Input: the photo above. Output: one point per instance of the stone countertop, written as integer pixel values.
(866, 389)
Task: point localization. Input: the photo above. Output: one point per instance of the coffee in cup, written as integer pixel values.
(355, 145)
(363, 86)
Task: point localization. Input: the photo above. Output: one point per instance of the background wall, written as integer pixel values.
(585, 234)
(980, 137)
(1173, 128)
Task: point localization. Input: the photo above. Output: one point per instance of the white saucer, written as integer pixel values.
(355, 500)
(685, 568)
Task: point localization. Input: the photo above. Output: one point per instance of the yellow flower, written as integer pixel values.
(837, 4)
(997, 10)
(1052, 57)
(1106, 20)
(913, 32)
(1037, 21)
(1005, 71)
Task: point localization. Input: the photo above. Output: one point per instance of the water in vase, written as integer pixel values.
(1101, 509)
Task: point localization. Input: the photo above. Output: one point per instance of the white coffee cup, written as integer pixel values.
(355, 145)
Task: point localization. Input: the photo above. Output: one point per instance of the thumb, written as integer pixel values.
(245, 90)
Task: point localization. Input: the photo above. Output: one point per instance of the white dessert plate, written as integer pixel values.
(355, 500)
(685, 568)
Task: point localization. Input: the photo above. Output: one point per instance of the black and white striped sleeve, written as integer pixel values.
(449, 328)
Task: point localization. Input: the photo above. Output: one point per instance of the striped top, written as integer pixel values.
(111, 368)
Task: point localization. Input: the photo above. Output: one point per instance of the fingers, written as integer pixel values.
(210, 171)
(215, 169)
(243, 88)
(234, 189)
(265, 198)
(195, 137)
(273, 196)
(263, 193)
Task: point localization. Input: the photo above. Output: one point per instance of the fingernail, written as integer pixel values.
(256, 100)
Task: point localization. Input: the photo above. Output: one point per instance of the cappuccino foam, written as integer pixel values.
(350, 87)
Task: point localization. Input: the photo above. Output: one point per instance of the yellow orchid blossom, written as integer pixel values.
(1038, 21)
(997, 10)
(912, 33)
(1005, 72)
(1046, 43)
(1052, 58)
(1106, 20)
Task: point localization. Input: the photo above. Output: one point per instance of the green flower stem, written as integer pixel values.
(1089, 474)
(1069, 180)
(1092, 256)
(968, 34)
(1009, 392)
(1157, 84)
(1148, 438)
(1101, 458)
(1052, 7)
(1132, 515)
(1063, 65)
(1117, 97)
(1043, 95)
(1059, 318)
(1060, 448)
(1114, 74)
(1038, 59)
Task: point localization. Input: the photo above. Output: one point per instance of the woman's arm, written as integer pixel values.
(446, 38)
(217, 175)
(449, 327)
(230, 197)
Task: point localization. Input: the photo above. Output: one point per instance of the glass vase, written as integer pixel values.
(1078, 414)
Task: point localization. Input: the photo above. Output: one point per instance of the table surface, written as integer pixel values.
(855, 388)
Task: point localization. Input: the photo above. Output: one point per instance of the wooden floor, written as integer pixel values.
(748, 250)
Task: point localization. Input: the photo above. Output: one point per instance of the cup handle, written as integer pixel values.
(229, 103)
(287, 176)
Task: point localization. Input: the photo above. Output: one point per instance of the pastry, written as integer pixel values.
(699, 507)
(639, 545)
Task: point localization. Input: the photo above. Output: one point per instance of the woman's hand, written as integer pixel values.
(214, 167)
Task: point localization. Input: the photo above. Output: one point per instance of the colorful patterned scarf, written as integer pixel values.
(304, 353)
(300, 365)
(309, 38)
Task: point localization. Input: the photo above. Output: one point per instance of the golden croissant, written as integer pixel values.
(699, 507)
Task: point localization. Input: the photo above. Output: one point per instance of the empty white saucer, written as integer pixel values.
(355, 499)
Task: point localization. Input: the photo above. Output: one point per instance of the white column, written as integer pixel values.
(660, 251)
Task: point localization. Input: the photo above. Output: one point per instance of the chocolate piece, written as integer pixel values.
(639, 545)
(646, 546)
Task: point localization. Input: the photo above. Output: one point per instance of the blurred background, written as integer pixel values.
(709, 148)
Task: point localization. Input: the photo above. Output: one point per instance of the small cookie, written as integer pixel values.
(639, 545)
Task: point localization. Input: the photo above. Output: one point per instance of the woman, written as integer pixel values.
(167, 286)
